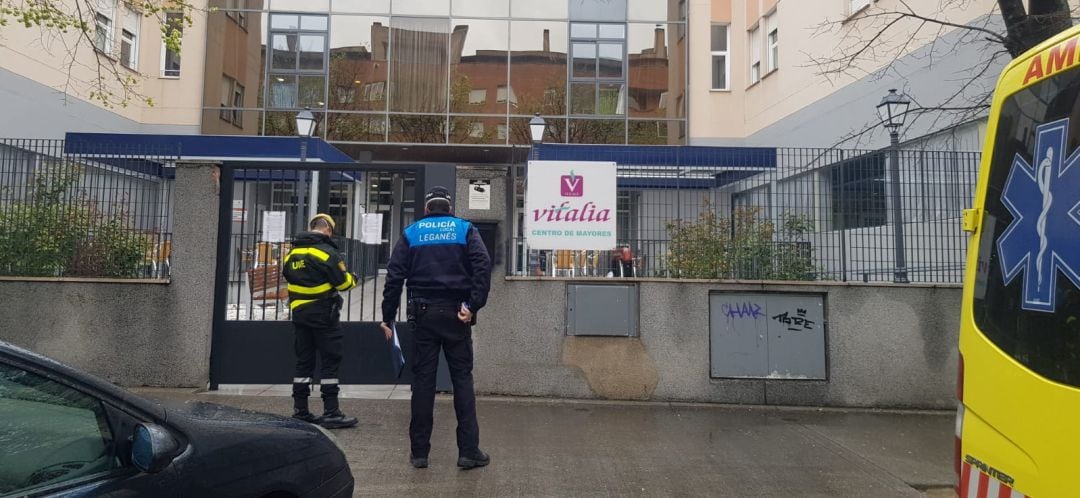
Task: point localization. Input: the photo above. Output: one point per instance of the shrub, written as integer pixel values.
(57, 231)
(744, 247)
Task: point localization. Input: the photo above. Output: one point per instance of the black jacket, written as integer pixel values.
(442, 258)
(315, 270)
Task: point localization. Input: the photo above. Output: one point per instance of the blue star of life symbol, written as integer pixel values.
(1044, 236)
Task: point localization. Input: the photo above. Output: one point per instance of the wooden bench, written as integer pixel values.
(267, 284)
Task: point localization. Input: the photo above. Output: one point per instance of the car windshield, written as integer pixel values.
(1026, 298)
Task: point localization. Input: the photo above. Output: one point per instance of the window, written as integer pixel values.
(62, 435)
(755, 55)
(598, 69)
(170, 60)
(346, 94)
(232, 101)
(298, 61)
(476, 130)
(238, 104)
(238, 16)
(129, 39)
(720, 67)
(226, 98)
(103, 26)
(1005, 307)
(858, 194)
(374, 92)
(478, 96)
(854, 6)
(774, 42)
(505, 93)
(500, 132)
(627, 207)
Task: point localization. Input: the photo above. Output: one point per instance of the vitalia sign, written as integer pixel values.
(570, 205)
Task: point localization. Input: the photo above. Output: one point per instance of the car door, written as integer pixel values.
(57, 439)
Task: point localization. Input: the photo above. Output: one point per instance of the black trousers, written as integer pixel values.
(318, 332)
(436, 327)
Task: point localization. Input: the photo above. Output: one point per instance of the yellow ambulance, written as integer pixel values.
(1018, 422)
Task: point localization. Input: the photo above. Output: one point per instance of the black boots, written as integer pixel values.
(479, 459)
(330, 420)
(303, 415)
(336, 420)
(418, 462)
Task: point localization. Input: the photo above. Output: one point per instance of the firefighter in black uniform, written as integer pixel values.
(316, 275)
(448, 271)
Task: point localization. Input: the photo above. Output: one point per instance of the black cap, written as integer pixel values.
(437, 193)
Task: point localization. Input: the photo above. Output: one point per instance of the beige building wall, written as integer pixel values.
(47, 59)
(748, 108)
(234, 51)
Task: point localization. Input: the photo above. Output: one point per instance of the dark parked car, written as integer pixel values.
(64, 432)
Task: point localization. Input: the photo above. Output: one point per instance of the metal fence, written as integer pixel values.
(773, 214)
(84, 210)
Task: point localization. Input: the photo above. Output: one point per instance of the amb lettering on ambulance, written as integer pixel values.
(1018, 420)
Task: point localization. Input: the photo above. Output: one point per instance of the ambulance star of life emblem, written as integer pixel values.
(1044, 236)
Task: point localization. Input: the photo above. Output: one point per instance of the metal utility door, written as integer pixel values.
(263, 206)
(772, 336)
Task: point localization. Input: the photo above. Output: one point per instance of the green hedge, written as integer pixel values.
(58, 231)
(744, 247)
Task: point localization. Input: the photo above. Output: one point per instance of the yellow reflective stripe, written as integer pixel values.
(318, 289)
(300, 302)
(349, 283)
(310, 251)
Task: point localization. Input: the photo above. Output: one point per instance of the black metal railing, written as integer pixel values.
(774, 214)
(96, 212)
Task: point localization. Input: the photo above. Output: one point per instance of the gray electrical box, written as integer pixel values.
(604, 310)
(768, 336)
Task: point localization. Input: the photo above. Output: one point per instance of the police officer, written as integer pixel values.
(316, 275)
(449, 273)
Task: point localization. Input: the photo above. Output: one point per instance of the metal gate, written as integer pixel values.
(263, 206)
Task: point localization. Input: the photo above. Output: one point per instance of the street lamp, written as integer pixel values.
(537, 127)
(305, 128)
(893, 109)
(305, 123)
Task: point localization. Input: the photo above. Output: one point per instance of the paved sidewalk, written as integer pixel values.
(576, 448)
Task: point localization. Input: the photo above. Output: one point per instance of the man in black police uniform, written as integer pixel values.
(449, 274)
(316, 275)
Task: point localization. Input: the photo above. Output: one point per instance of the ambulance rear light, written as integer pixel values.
(959, 428)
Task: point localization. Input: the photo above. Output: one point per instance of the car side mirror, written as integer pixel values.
(152, 448)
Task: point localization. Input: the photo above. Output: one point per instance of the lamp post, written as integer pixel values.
(305, 128)
(893, 109)
(537, 127)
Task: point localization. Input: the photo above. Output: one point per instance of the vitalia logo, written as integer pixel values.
(572, 185)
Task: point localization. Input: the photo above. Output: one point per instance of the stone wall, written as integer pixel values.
(886, 346)
(133, 333)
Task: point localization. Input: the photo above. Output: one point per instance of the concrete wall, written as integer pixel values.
(887, 346)
(131, 333)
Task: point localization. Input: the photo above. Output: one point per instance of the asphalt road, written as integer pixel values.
(575, 448)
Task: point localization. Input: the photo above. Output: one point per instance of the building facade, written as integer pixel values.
(472, 72)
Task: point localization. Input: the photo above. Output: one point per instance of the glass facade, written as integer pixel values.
(473, 71)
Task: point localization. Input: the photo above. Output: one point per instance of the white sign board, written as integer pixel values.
(570, 205)
(371, 228)
(273, 226)
(239, 214)
(480, 194)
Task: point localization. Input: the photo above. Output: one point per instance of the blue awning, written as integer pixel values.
(201, 147)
